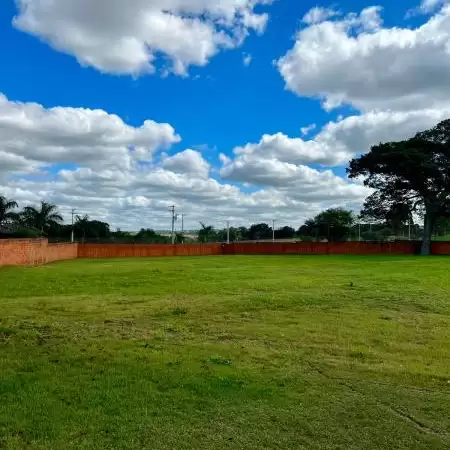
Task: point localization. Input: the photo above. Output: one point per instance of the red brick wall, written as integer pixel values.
(39, 251)
(319, 248)
(58, 252)
(34, 251)
(440, 248)
(146, 250)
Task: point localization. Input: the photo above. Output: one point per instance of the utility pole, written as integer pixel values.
(228, 232)
(273, 230)
(359, 231)
(174, 217)
(182, 222)
(182, 226)
(72, 237)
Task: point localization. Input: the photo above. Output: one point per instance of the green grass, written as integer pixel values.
(441, 238)
(234, 352)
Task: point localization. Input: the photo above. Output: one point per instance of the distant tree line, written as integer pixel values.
(335, 224)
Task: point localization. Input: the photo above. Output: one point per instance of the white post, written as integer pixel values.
(228, 232)
(174, 217)
(72, 233)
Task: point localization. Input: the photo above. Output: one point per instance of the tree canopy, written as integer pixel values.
(411, 176)
(41, 217)
(334, 224)
(259, 231)
(6, 210)
(284, 233)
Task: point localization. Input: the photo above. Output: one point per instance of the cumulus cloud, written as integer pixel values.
(333, 146)
(306, 130)
(318, 14)
(428, 6)
(140, 199)
(298, 180)
(189, 162)
(11, 163)
(125, 37)
(31, 135)
(356, 61)
(247, 59)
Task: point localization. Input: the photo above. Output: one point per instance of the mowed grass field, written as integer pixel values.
(239, 352)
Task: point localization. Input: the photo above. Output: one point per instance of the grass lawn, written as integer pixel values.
(236, 352)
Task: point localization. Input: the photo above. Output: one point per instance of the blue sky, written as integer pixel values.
(214, 108)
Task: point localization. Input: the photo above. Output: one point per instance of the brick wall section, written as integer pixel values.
(320, 248)
(440, 248)
(59, 252)
(146, 250)
(34, 251)
(262, 248)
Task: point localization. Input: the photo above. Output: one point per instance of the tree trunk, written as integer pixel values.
(427, 231)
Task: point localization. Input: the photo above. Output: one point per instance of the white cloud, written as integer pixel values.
(296, 180)
(135, 199)
(306, 130)
(318, 14)
(247, 59)
(335, 144)
(428, 6)
(11, 163)
(125, 37)
(31, 135)
(292, 150)
(189, 162)
(355, 61)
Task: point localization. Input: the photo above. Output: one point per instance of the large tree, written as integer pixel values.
(7, 214)
(333, 224)
(41, 217)
(414, 173)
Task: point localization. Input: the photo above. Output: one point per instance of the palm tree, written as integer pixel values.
(42, 217)
(6, 215)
